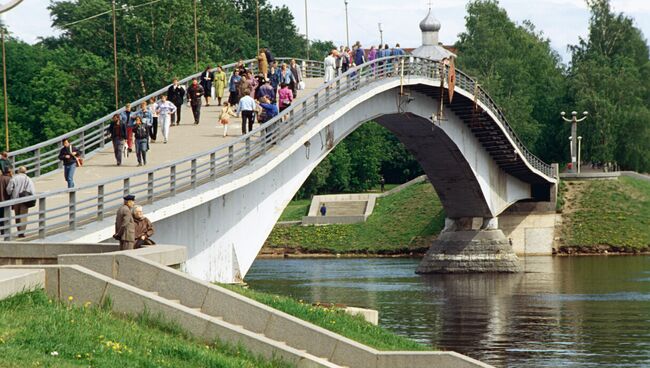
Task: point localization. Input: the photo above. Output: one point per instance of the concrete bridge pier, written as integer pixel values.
(468, 245)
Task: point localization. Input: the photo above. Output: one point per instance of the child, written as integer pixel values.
(224, 118)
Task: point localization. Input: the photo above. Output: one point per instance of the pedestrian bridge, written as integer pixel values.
(221, 198)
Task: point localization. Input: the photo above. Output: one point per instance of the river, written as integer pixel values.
(561, 312)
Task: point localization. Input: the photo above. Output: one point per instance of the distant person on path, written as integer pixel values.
(266, 90)
(143, 229)
(224, 117)
(194, 94)
(297, 77)
(359, 55)
(127, 119)
(269, 56)
(125, 225)
(262, 62)
(19, 186)
(141, 134)
(274, 77)
(346, 60)
(286, 76)
(285, 97)
(117, 130)
(233, 88)
(323, 209)
(330, 67)
(70, 157)
(4, 161)
(382, 183)
(153, 111)
(269, 110)
(246, 110)
(219, 84)
(166, 111)
(176, 94)
(372, 55)
(4, 196)
(206, 82)
(145, 115)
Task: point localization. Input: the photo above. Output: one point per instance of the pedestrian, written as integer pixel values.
(297, 76)
(267, 90)
(274, 77)
(4, 161)
(145, 115)
(153, 111)
(251, 83)
(389, 65)
(127, 119)
(176, 94)
(285, 97)
(337, 58)
(269, 110)
(125, 225)
(143, 229)
(206, 82)
(359, 55)
(224, 117)
(141, 134)
(286, 76)
(4, 196)
(269, 55)
(323, 209)
(117, 130)
(345, 60)
(21, 186)
(69, 155)
(219, 83)
(246, 110)
(194, 94)
(330, 67)
(382, 183)
(166, 111)
(262, 62)
(233, 88)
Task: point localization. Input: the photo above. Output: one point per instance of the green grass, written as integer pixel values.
(400, 223)
(36, 332)
(613, 213)
(334, 319)
(296, 210)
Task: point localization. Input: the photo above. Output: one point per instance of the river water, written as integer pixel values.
(561, 312)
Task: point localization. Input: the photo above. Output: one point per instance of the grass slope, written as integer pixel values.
(36, 332)
(400, 223)
(612, 213)
(334, 319)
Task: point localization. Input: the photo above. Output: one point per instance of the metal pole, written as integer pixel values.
(257, 11)
(4, 86)
(579, 160)
(117, 97)
(574, 136)
(196, 40)
(347, 27)
(381, 35)
(307, 29)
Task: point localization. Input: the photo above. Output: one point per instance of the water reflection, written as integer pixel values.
(577, 312)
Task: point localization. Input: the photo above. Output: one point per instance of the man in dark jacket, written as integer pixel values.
(175, 94)
(124, 224)
(70, 156)
(4, 196)
(269, 55)
(117, 130)
(194, 94)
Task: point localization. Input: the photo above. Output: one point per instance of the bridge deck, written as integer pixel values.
(184, 140)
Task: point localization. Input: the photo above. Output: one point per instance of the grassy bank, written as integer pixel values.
(334, 319)
(36, 332)
(400, 223)
(611, 215)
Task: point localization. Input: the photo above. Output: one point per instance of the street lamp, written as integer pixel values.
(381, 35)
(5, 8)
(579, 148)
(347, 28)
(307, 29)
(574, 133)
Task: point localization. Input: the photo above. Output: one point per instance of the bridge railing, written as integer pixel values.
(69, 209)
(91, 138)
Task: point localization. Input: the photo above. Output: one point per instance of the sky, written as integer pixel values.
(562, 21)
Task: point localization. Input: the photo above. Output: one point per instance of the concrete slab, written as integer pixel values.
(14, 281)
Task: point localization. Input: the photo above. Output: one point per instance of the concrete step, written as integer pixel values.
(14, 281)
(345, 208)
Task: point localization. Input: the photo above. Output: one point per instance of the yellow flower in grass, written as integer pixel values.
(70, 298)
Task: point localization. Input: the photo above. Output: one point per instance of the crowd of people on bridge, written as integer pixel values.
(339, 61)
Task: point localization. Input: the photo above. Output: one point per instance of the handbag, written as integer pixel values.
(301, 85)
(80, 161)
(26, 193)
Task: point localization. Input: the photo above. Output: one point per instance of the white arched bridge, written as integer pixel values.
(222, 197)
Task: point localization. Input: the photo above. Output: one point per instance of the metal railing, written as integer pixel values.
(44, 157)
(67, 209)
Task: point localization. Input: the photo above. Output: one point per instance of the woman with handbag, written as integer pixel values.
(70, 156)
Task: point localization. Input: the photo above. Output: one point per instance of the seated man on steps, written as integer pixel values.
(143, 229)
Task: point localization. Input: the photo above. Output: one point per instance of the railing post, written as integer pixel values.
(316, 104)
(127, 186)
(150, 187)
(304, 109)
(72, 210)
(193, 174)
(6, 214)
(38, 162)
(248, 150)
(327, 96)
(100, 202)
(102, 134)
(213, 165)
(231, 159)
(60, 145)
(42, 208)
(338, 88)
(292, 122)
(83, 142)
(172, 180)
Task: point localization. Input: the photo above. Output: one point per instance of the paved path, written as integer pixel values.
(184, 140)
